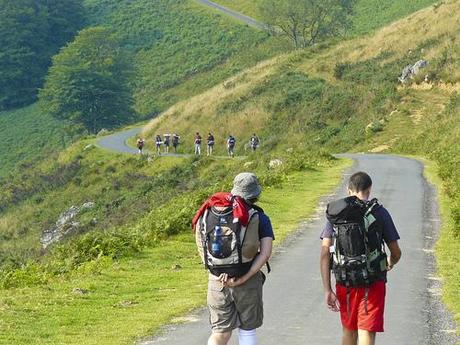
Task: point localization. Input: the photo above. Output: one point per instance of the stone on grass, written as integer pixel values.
(275, 163)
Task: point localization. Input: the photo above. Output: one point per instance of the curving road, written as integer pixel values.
(294, 307)
(241, 17)
(118, 141)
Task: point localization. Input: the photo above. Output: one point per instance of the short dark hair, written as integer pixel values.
(359, 182)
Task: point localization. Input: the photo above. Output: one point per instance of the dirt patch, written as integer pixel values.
(448, 87)
(379, 148)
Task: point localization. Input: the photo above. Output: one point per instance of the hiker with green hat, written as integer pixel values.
(234, 239)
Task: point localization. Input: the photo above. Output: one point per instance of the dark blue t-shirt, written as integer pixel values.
(265, 226)
(389, 229)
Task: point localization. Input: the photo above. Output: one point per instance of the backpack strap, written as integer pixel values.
(368, 216)
(203, 238)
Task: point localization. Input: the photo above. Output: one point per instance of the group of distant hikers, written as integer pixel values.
(234, 239)
(167, 141)
(174, 139)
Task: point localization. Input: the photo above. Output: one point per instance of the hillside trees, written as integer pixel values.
(31, 31)
(305, 22)
(65, 18)
(88, 82)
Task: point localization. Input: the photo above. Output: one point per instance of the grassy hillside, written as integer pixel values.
(119, 301)
(303, 105)
(369, 14)
(166, 56)
(170, 65)
(348, 96)
(27, 134)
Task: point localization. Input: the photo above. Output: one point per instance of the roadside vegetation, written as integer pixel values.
(369, 15)
(133, 251)
(134, 296)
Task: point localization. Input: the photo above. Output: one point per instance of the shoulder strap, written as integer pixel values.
(369, 218)
(257, 208)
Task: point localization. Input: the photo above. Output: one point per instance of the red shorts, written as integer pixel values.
(355, 317)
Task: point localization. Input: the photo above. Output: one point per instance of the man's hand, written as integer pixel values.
(331, 301)
(389, 265)
(395, 254)
(234, 282)
(223, 278)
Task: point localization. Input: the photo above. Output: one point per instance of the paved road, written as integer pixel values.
(248, 20)
(117, 141)
(294, 307)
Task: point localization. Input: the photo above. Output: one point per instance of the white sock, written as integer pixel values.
(247, 337)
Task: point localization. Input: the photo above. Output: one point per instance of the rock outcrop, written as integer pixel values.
(410, 70)
(65, 225)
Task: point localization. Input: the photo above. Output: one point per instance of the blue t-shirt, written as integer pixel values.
(265, 226)
(390, 233)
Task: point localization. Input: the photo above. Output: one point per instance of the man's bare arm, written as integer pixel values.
(324, 264)
(395, 254)
(329, 295)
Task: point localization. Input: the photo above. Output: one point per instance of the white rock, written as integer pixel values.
(87, 205)
(275, 163)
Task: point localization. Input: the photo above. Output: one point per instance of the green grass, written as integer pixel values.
(300, 105)
(171, 65)
(27, 135)
(134, 297)
(165, 56)
(448, 245)
(374, 14)
(123, 188)
(249, 8)
(369, 14)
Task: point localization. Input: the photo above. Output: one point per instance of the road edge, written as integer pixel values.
(442, 326)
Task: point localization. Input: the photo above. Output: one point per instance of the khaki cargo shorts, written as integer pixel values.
(239, 307)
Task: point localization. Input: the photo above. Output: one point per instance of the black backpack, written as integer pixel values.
(358, 251)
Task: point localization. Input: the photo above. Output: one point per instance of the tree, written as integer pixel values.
(23, 34)
(88, 82)
(65, 18)
(306, 22)
(31, 32)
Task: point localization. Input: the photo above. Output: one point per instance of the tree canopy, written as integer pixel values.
(305, 22)
(88, 82)
(31, 32)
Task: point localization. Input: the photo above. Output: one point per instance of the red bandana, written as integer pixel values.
(222, 199)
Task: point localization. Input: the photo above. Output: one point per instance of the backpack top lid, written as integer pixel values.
(349, 209)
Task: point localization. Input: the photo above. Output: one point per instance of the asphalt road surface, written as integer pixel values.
(241, 17)
(295, 312)
(117, 141)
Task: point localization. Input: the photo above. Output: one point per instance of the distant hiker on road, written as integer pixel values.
(254, 142)
(166, 140)
(231, 141)
(353, 243)
(235, 280)
(140, 144)
(210, 144)
(175, 141)
(158, 143)
(197, 143)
